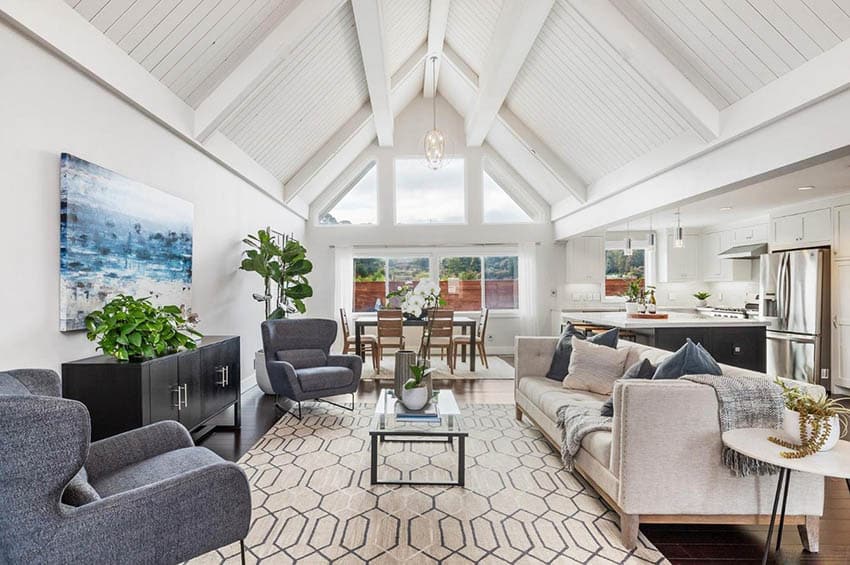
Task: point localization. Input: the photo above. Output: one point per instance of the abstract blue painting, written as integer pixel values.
(119, 236)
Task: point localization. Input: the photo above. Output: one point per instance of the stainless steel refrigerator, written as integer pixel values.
(794, 298)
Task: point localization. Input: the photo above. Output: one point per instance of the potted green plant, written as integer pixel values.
(132, 329)
(415, 394)
(813, 423)
(282, 264)
(701, 297)
(632, 295)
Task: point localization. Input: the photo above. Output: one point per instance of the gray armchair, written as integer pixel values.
(144, 496)
(300, 365)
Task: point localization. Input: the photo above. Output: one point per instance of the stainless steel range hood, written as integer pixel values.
(750, 251)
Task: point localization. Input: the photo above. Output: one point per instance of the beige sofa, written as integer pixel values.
(661, 463)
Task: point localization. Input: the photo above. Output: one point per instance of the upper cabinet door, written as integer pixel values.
(751, 234)
(585, 259)
(680, 264)
(841, 241)
(711, 247)
(788, 229)
(817, 226)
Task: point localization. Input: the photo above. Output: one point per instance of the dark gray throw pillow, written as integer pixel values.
(561, 360)
(643, 369)
(690, 359)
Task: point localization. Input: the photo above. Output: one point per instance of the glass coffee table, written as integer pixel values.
(446, 425)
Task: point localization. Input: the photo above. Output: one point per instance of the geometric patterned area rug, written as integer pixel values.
(312, 501)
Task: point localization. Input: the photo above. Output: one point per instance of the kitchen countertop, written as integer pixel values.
(675, 320)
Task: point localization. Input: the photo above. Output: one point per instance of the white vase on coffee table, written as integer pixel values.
(415, 398)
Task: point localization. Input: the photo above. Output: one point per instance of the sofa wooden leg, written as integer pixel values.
(519, 414)
(629, 529)
(810, 534)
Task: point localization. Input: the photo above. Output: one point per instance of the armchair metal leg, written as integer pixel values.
(242, 550)
(286, 410)
(350, 409)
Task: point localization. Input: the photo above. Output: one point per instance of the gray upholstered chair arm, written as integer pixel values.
(107, 455)
(353, 362)
(283, 378)
(182, 516)
(42, 382)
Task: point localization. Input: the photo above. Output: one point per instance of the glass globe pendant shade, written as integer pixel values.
(435, 149)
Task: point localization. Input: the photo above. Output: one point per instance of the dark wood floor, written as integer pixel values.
(685, 544)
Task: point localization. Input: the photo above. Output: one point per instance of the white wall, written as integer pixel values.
(410, 128)
(47, 107)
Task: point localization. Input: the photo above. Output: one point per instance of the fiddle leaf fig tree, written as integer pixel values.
(129, 328)
(283, 270)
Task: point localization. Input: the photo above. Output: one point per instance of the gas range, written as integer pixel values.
(724, 312)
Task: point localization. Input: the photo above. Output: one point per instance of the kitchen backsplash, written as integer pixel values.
(670, 295)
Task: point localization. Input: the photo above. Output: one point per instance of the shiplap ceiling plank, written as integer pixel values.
(369, 21)
(89, 8)
(515, 33)
(406, 29)
(470, 29)
(730, 50)
(110, 13)
(438, 20)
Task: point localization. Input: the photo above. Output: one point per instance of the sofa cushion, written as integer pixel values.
(303, 358)
(598, 444)
(690, 359)
(560, 365)
(316, 379)
(642, 369)
(594, 367)
(154, 469)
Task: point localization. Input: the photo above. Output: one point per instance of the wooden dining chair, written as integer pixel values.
(480, 337)
(369, 343)
(390, 330)
(441, 327)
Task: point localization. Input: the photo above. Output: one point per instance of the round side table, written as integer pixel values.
(753, 442)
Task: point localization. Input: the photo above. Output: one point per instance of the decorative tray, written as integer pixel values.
(649, 316)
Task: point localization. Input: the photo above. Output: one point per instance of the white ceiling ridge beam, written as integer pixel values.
(291, 31)
(370, 34)
(516, 30)
(56, 26)
(812, 83)
(438, 21)
(542, 154)
(743, 161)
(651, 64)
(354, 136)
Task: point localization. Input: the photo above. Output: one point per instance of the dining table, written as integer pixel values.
(466, 324)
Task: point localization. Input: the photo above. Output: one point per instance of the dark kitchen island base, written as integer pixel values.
(739, 346)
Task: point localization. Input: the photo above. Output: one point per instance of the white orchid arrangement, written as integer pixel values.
(414, 300)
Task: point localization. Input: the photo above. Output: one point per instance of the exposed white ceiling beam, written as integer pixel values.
(531, 158)
(649, 62)
(438, 20)
(300, 21)
(515, 32)
(354, 137)
(370, 34)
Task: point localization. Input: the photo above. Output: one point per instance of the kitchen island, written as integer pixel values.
(736, 342)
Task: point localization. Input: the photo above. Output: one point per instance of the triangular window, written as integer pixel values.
(500, 207)
(358, 204)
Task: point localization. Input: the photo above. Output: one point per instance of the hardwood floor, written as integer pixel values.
(681, 544)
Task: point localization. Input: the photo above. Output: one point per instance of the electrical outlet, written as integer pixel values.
(576, 297)
(490, 337)
(553, 293)
(671, 296)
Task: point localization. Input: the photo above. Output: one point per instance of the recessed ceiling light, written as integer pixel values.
(725, 208)
(805, 188)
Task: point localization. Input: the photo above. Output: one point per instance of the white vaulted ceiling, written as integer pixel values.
(304, 99)
(406, 27)
(585, 101)
(189, 45)
(731, 49)
(470, 29)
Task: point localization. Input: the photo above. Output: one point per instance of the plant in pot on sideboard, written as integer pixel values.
(813, 424)
(702, 297)
(281, 261)
(132, 329)
(632, 295)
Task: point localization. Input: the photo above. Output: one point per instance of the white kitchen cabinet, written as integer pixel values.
(841, 238)
(586, 260)
(679, 264)
(751, 234)
(840, 370)
(807, 228)
(715, 269)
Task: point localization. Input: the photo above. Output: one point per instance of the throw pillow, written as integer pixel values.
(643, 369)
(690, 359)
(560, 365)
(594, 367)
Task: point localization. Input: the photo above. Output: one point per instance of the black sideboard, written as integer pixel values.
(192, 387)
